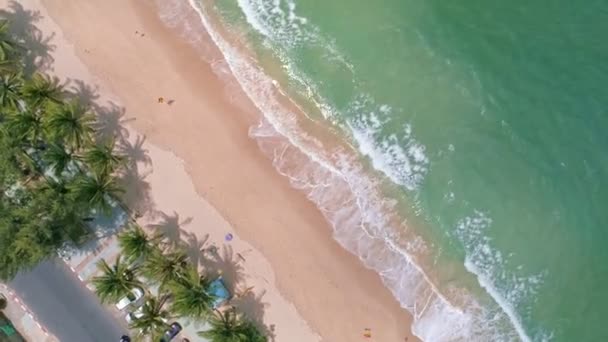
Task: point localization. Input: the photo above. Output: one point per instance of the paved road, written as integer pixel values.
(64, 305)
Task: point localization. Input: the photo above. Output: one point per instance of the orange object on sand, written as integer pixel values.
(367, 333)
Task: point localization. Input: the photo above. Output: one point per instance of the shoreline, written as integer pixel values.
(210, 134)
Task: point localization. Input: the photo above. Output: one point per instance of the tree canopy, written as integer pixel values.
(116, 281)
(191, 297)
(54, 171)
(230, 326)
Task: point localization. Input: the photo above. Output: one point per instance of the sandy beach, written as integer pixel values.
(198, 176)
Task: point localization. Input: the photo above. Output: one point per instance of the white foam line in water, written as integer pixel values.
(481, 259)
(437, 319)
(498, 298)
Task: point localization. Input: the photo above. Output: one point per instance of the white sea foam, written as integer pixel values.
(362, 219)
(284, 30)
(489, 265)
(398, 155)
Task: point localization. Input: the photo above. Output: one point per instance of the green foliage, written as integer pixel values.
(57, 159)
(98, 190)
(47, 193)
(8, 46)
(190, 297)
(229, 326)
(25, 126)
(153, 323)
(102, 158)
(70, 124)
(10, 90)
(42, 90)
(116, 281)
(54, 176)
(163, 268)
(136, 244)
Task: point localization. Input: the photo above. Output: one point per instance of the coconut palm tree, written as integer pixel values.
(70, 123)
(102, 158)
(8, 46)
(73, 226)
(228, 326)
(8, 66)
(153, 322)
(57, 158)
(116, 281)
(26, 126)
(163, 268)
(42, 89)
(10, 90)
(69, 219)
(98, 191)
(190, 295)
(136, 244)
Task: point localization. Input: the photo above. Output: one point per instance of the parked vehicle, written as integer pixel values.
(131, 316)
(125, 338)
(173, 331)
(132, 297)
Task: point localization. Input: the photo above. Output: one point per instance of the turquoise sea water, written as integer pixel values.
(485, 125)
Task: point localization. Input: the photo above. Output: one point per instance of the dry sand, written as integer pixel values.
(199, 176)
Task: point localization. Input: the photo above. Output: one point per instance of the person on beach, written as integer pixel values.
(161, 99)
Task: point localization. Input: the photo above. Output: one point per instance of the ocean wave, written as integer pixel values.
(285, 31)
(489, 266)
(363, 220)
(398, 155)
(283, 28)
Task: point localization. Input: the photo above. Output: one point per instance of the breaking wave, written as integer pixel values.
(333, 176)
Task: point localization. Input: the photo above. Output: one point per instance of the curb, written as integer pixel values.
(24, 308)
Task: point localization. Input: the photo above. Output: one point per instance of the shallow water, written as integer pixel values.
(481, 124)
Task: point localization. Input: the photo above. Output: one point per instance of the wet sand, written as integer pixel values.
(199, 176)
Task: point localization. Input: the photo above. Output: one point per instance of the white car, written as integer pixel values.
(131, 316)
(132, 297)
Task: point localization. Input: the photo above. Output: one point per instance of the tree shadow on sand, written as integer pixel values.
(110, 117)
(254, 307)
(223, 262)
(170, 227)
(111, 123)
(84, 93)
(37, 46)
(194, 247)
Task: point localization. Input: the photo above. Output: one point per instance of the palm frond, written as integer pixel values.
(25, 125)
(98, 190)
(102, 158)
(42, 89)
(136, 244)
(153, 323)
(163, 268)
(190, 295)
(10, 89)
(116, 281)
(229, 326)
(8, 46)
(70, 123)
(57, 158)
